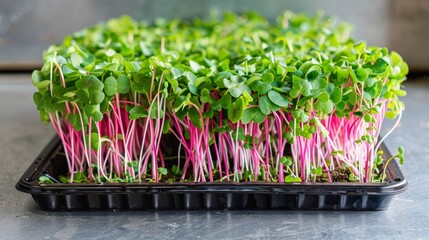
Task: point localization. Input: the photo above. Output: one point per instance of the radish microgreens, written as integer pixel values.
(243, 100)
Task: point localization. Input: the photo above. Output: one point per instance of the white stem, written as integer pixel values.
(388, 133)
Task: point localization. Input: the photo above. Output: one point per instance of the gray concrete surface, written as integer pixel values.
(22, 136)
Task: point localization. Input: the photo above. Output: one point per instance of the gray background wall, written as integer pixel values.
(27, 26)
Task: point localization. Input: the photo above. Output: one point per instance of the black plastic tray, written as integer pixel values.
(203, 196)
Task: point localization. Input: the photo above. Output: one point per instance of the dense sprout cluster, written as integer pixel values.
(237, 99)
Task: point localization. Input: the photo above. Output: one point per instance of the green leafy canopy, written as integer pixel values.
(229, 75)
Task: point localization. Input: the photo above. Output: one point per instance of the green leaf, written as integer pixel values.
(292, 179)
(319, 84)
(120, 136)
(273, 107)
(137, 112)
(259, 116)
(192, 88)
(177, 72)
(195, 118)
(202, 80)
(82, 83)
(379, 66)
(235, 92)
(59, 92)
(69, 94)
(208, 114)
(225, 101)
(352, 75)
(220, 77)
(286, 161)
(235, 112)
(155, 111)
(278, 99)
(316, 171)
(158, 61)
(323, 97)
(248, 115)
(129, 67)
(176, 170)
(234, 81)
(76, 60)
(267, 77)
(401, 160)
(83, 95)
(369, 82)
(94, 84)
(36, 77)
(401, 150)
(94, 141)
(264, 105)
(325, 107)
(252, 80)
(74, 120)
(90, 110)
(238, 134)
(194, 66)
(111, 67)
(300, 115)
(247, 96)
(97, 116)
(191, 84)
(141, 84)
(104, 106)
(96, 97)
(238, 79)
(49, 107)
(205, 96)
(340, 106)
(361, 74)
(179, 103)
(110, 86)
(294, 93)
(64, 179)
(312, 75)
(336, 95)
(306, 88)
(166, 127)
(42, 85)
(38, 100)
(191, 77)
(367, 118)
(162, 171)
(342, 75)
(261, 87)
(123, 84)
(79, 177)
(44, 179)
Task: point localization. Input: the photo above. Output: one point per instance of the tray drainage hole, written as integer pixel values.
(398, 179)
(28, 179)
